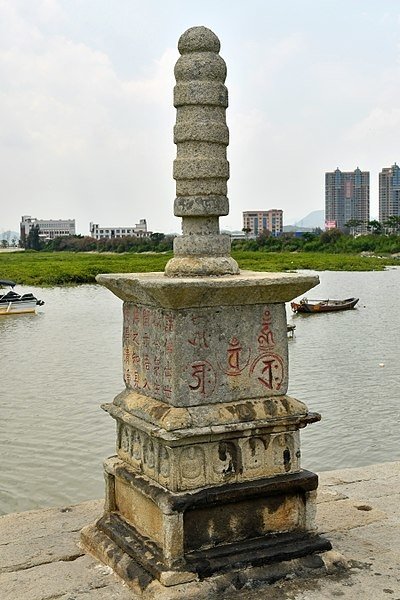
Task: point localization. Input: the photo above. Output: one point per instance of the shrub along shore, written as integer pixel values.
(66, 268)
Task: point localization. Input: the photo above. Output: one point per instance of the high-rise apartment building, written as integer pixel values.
(389, 192)
(48, 228)
(257, 221)
(347, 199)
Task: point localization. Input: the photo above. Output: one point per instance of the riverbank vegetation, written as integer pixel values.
(156, 242)
(332, 241)
(63, 268)
(379, 241)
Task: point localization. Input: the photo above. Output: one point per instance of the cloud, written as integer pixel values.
(379, 125)
(379, 122)
(268, 59)
(72, 131)
(80, 139)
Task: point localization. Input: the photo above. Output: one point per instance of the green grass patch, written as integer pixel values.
(315, 261)
(65, 268)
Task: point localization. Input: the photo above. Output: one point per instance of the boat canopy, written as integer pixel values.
(4, 282)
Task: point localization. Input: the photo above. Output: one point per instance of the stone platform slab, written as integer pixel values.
(358, 510)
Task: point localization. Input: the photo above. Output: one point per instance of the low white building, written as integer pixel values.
(48, 228)
(139, 230)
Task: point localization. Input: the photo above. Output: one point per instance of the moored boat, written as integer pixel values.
(318, 306)
(290, 330)
(12, 303)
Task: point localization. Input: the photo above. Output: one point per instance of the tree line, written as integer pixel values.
(156, 242)
(381, 238)
(388, 227)
(377, 241)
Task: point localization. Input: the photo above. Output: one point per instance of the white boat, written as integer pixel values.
(12, 303)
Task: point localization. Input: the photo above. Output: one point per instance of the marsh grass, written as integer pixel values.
(64, 268)
(315, 261)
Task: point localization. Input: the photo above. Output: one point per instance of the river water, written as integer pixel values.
(58, 366)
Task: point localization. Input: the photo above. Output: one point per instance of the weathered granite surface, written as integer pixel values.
(210, 492)
(192, 502)
(201, 169)
(249, 287)
(359, 508)
(207, 439)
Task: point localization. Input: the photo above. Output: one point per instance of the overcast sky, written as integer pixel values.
(86, 112)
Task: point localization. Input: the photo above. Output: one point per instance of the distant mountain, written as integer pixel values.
(9, 236)
(314, 219)
(294, 228)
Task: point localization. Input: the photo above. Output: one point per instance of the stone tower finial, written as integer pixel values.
(201, 169)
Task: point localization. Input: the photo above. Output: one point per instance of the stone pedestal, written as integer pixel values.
(207, 475)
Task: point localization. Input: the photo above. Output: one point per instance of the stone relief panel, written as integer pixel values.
(191, 466)
(255, 456)
(226, 462)
(149, 459)
(286, 452)
(164, 467)
(199, 356)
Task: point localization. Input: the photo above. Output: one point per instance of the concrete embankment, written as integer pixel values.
(358, 510)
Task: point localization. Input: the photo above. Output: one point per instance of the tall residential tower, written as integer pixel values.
(389, 192)
(347, 199)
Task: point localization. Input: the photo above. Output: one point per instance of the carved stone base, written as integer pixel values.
(176, 538)
(217, 571)
(207, 484)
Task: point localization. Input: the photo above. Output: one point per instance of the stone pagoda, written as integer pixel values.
(206, 483)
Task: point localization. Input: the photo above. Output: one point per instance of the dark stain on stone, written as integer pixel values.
(270, 408)
(136, 573)
(285, 403)
(364, 507)
(239, 580)
(266, 441)
(208, 527)
(228, 451)
(244, 411)
(232, 410)
(314, 561)
(253, 446)
(266, 550)
(67, 509)
(158, 412)
(290, 483)
(141, 557)
(287, 459)
(274, 503)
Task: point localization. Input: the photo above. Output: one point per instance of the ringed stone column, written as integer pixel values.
(201, 169)
(207, 480)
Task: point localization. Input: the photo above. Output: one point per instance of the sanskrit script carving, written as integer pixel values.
(224, 354)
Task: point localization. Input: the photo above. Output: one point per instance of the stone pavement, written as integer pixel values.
(358, 510)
